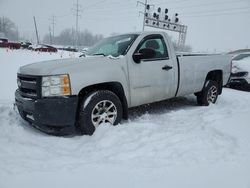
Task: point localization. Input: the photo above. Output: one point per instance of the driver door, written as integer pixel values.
(152, 79)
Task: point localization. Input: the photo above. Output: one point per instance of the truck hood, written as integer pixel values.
(61, 66)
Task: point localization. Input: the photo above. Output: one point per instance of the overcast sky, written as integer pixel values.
(212, 24)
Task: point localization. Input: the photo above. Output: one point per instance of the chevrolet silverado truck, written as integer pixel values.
(116, 74)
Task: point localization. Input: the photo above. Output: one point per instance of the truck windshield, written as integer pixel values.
(114, 46)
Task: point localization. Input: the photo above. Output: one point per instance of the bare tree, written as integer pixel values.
(8, 28)
(66, 37)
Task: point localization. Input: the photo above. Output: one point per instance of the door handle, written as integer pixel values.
(166, 68)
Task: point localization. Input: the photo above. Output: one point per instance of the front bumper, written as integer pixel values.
(55, 115)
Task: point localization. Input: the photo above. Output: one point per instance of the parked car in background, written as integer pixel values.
(25, 45)
(3, 40)
(43, 48)
(70, 49)
(240, 76)
(5, 43)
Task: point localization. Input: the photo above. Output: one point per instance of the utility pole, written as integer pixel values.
(3, 26)
(37, 37)
(50, 37)
(77, 9)
(17, 34)
(53, 23)
(72, 33)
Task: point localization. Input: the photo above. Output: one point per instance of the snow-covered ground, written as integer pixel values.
(172, 144)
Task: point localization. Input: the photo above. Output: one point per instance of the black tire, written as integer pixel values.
(94, 109)
(209, 93)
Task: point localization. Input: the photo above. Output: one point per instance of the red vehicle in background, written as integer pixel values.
(4, 43)
(44, 48)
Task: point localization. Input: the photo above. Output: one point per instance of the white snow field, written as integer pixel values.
(173, 144)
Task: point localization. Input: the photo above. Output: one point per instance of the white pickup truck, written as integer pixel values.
(120, 72)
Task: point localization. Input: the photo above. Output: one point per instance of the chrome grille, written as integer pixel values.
(29, 86)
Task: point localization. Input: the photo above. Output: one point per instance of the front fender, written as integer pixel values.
(102, 74)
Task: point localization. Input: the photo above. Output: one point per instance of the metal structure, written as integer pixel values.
(161, 24)
(161, 20)
(145, 9)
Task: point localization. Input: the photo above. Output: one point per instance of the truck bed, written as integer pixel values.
(193, 69)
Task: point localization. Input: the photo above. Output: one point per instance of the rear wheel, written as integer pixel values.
(209, 93)
(99, 107)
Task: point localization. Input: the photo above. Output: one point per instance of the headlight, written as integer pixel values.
(58, 85)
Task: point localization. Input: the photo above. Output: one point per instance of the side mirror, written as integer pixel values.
(145, 53)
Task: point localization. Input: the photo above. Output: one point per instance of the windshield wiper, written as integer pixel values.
(99, 54)
(82, 55)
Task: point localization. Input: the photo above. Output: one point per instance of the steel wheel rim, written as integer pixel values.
(104, 112)
(212, 94)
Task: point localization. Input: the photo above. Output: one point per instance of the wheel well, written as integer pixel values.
(216, 75)
(115, 87)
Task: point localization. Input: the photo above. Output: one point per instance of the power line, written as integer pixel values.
(173, 2)
(217, 14)
(111, 7)
(209, 4)
(94, 4)
(111, 11)
(125, 9)
(184, 1)
(215, 11)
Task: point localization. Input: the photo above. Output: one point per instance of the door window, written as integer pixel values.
(157, 44)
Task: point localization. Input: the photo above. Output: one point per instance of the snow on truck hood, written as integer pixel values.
(60, 66)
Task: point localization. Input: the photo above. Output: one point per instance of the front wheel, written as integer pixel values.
(209, 93)
(99, 107)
